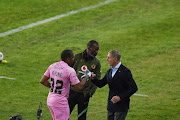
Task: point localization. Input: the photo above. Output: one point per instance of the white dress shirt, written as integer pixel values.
(115, 69)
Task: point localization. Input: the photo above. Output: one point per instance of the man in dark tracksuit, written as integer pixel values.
(121, 87)
(82, 60)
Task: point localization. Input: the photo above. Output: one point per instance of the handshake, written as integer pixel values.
(86, 73)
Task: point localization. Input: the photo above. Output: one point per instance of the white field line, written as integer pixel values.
(141, 95)
(54, 18)
(177, 99)
(7, 78)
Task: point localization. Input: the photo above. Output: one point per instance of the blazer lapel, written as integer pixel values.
(118, 71)
(109, 75)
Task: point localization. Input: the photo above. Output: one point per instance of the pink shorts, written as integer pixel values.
(59, 113)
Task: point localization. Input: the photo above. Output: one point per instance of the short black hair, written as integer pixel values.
(66, 54)
(92, 42)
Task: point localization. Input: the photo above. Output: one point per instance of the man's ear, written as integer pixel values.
(88, 48)
(116, 60)
(67, 60)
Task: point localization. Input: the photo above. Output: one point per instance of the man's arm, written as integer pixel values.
(97, 82)
(81, 84)
(132, 87)
(45, 82)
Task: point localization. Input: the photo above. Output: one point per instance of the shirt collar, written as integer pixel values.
(117, 66)
(62, 62)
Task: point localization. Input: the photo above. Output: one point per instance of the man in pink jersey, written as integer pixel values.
(61, 75)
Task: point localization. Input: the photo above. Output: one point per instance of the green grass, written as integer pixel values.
(145, 32)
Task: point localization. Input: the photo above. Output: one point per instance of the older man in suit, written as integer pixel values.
(121, 86)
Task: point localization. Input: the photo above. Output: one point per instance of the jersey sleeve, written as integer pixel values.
(73, 77)
(47, 73)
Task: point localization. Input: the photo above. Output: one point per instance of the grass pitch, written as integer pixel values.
(145, 32)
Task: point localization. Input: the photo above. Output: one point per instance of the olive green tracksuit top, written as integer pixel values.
(93, 65)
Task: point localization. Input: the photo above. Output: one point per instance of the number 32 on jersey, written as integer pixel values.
(59, 86)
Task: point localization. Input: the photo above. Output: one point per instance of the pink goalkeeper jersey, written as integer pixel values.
(61, 74)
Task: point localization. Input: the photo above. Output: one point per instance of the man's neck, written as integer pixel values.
(115, 64)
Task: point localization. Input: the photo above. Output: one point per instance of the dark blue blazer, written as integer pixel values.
(122, 85)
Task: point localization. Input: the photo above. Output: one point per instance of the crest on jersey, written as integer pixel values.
(93, 66)
(84, 68)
